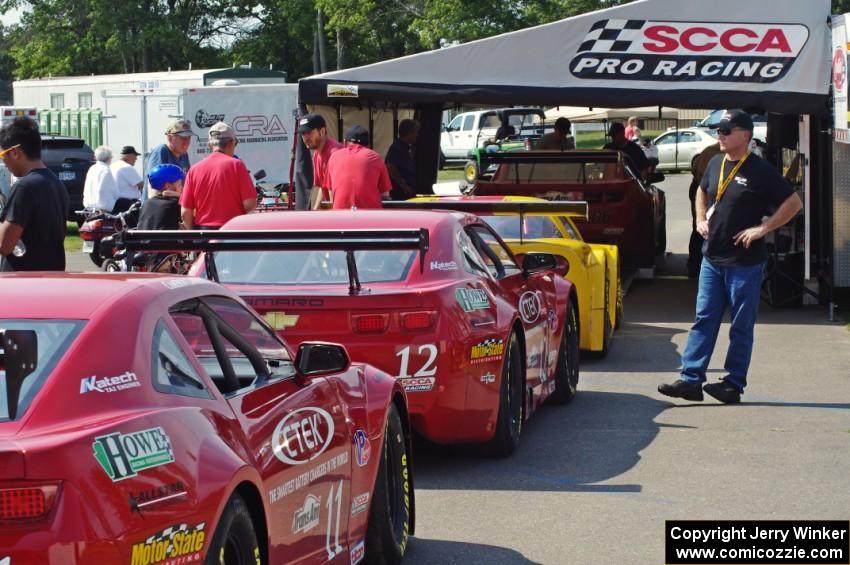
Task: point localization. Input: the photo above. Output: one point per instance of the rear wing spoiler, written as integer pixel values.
(547, 156)
(571, 208)
(210, 241)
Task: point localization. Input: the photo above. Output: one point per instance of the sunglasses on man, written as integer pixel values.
(728, 131)
(4, 151)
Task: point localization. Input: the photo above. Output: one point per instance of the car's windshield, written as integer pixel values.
(311, 267)
(568, 172)
(533, 227)
(54, 337)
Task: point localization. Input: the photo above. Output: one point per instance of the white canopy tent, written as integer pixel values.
(580, 114)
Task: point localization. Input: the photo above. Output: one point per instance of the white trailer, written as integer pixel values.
(262, 115)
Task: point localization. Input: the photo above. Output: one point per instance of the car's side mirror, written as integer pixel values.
(317, 359)
(538, 262)
(655, 177)
(18, 358)
(444, 127)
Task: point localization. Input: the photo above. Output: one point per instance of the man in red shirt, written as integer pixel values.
(314, 132)
(219, 187)
(358, 175)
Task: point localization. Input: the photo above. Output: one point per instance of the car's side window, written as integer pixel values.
(498, 259)
(471, 260)
(666, 138)
(468, 122)
(171, 371)
(454, 125)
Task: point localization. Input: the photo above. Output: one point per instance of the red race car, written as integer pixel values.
(151, 419)
(623, 209)
(478, 341)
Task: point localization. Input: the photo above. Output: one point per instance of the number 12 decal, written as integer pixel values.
(428, 368)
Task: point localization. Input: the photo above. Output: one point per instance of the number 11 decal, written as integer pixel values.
(336, 549)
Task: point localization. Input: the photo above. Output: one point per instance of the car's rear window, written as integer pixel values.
(533, 227)
(568, 172)
(311, 267)
(54, 338)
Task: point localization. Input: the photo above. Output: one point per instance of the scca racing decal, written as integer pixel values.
(171, 543)
(648, 50)
(488, 350)
(418, 384)
(302, 435)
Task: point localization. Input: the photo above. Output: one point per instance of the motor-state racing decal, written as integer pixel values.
(173, 542)
(488, 350)
(651, 50)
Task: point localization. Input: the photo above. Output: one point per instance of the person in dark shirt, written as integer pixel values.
(734, 208)
(636, 157)
(162, 211)
(401, 162)
(32, 223)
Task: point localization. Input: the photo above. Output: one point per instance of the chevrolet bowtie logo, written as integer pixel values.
(280, 320)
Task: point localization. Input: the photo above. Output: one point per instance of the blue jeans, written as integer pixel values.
(739, 289)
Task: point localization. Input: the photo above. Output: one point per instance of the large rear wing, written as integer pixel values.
(571, 208)
(210, 241)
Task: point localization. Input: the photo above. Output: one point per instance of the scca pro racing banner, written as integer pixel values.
(685, 51)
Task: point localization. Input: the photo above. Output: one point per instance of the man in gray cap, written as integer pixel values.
(174, 151)
(314, 133)
(219, 187)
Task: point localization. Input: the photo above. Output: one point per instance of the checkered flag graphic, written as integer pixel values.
(611, 35)
(167, 533)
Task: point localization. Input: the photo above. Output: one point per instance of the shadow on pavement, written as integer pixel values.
(431, 551)
(568, 448)
(637, 348)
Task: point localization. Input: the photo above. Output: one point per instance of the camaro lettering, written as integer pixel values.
(109, 384)
(280, 301)
(302, 435)
(171, 543)
(124, 455)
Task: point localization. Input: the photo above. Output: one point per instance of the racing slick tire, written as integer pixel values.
(235, 540)
(471, 171)
(110, 266)
(509, 422)
(390, 515)
(566, 372)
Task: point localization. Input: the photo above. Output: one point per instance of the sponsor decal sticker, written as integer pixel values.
(529, 307)
(281, 320)
(171, 543)
(302, 435)
(649, 50)
(124, 455)
(444, 266)
(307, 517)
(360, 503)
(490, 349)
(839, 70)
(488, 378)
(307, 477)
(343, 91)
(362, 448)
(156, 495)
(282, 301)
(109, 384)
(418, 384)
(472, 299)
(553, 320)
(206, 121)
(358, 551)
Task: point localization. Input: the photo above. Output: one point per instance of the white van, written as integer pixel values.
(9, 113)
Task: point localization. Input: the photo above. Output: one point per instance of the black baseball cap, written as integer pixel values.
(357, 134)
(734, 119)
(129, 150)
(616, 127)
(309, 122)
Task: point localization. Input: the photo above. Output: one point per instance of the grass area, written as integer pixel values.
(72, 237)
(450, 173)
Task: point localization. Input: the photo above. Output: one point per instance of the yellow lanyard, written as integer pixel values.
(723, 182)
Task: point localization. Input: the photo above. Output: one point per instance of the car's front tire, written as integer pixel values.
(509, 421)
(235, 540)
(390, 515)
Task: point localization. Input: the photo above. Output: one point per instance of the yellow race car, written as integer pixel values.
(532, 224)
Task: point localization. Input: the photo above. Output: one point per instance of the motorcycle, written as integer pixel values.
(98, 224)
(270, 198)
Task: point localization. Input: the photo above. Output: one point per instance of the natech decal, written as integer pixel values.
(307, 517)
(169, 544)
(529, 307)
(124, 455)
(488, 350)
(472, 299)
(444, 265)
(109, 384)
(647, 50)
(303, 435)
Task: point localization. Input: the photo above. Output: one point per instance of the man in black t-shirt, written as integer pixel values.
(32, 224)
(162, 212)
(636, 157)
(737, 192)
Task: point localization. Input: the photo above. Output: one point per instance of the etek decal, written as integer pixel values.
(156, 495)
(358, 552)
(648, 50)
(529, 307)
(362, 448)
(488, 350)
(418, 384)
(171, 543)
(307, 517)
(302, 435)
(471, 299)
(359, 503)
(109, 384)
(124, 455)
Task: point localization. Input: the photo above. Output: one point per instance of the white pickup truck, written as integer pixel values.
(470, 130)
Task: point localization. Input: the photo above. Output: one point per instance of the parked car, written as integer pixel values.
(677, 149)
(759, 123)
(153, 419)
(624, 210)
(70, 158)
(535, 225)
(478, 341)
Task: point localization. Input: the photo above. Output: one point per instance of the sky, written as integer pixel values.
(11, 17)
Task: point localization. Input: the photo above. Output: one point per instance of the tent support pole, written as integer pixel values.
(339, 133)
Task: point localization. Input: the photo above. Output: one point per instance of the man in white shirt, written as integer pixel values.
(99, 190)
(128, 181)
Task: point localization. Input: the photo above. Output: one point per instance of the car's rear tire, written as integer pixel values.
(567, 370)
(390, 515)
(110, 266)
(471, 171)
(235, 540)
(95, 256)
(511, 412)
